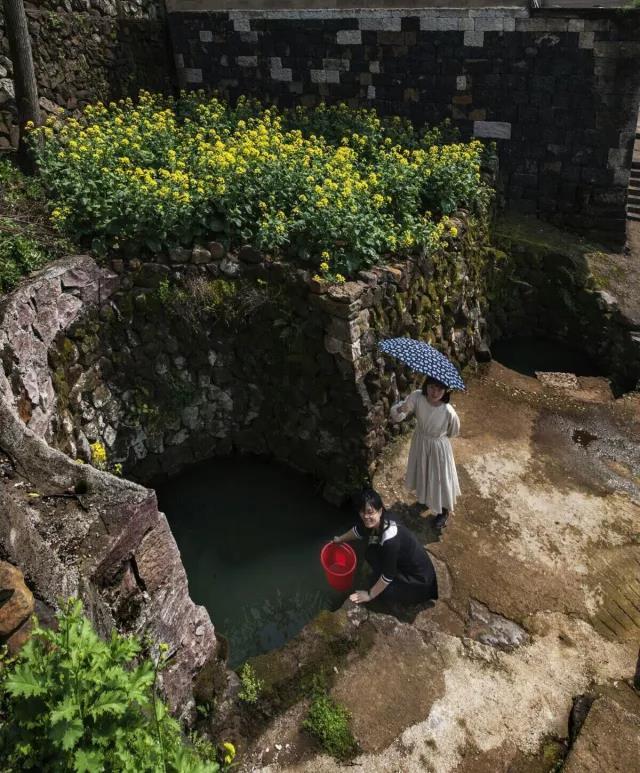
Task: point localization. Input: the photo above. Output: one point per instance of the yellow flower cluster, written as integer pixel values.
(343, 187)
(98, 455)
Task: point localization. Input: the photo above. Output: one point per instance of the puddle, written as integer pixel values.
(583, 437)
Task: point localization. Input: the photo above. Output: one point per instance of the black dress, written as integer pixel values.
(396, 556)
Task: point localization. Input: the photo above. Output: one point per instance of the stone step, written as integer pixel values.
(633, 209)
(632, 216)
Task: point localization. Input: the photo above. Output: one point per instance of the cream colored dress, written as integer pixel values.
(431, 471)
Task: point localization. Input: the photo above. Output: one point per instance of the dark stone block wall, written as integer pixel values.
(557, 92)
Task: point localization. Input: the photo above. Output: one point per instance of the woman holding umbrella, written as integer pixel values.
(431, 470)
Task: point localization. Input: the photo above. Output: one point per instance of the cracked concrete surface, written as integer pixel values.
(542, 555)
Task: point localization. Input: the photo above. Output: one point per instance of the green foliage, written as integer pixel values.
(329, 723)
(73, 702)
(27, 239)
(335, 187)
(252, 685)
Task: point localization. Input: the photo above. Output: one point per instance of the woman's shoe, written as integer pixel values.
(441, 520)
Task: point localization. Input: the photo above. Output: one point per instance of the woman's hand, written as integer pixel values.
(337, 540)
(360, 597)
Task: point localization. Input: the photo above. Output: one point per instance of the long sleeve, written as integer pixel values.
(453, 428)
(404, 408)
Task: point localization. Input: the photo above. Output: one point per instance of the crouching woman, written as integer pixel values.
(402, 572)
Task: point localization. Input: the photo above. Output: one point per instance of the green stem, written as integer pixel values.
(155, 714)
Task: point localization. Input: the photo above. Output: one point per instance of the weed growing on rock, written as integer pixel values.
(252, 685)
(328, 722)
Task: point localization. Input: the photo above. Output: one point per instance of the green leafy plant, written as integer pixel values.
(331, 187)
(27, 238)
(329, 723)
(73, 702)
(252, 685)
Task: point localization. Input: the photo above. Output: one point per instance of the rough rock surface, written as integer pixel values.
(73, 529)
(609, 740)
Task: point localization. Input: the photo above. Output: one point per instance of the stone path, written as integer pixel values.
(540, 573)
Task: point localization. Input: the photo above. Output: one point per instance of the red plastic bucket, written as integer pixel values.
(339, 563)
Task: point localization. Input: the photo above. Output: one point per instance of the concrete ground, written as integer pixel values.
(539, 573)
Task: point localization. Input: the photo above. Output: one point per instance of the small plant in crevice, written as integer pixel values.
(252, 685)
(200, 300)
(328, 722)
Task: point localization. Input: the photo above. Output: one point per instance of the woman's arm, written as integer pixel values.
(453, 429)
(404, 408)
(362, 596)
(348, 536)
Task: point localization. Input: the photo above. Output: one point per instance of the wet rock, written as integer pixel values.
(492, 629)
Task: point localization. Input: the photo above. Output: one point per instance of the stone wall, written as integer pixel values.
(295, 373)
(73, 529)
(557, 91)
(85, 50)
(546, 287)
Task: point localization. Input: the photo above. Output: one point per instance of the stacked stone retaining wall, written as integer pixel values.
(285, 365)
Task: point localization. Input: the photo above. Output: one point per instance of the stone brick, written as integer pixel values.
(474, 39)
(461, 82)
(324, 76)
(492, 129)
(349, 38)
(247, 61)
(586, 40)
(242, 25)
(490, 25)
(336, 64)
(206, 36)
(371, 92)
(193, 75)
(380, 23)
(374, 67)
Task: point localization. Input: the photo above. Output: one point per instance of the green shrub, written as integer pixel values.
(335, 187)
(252, 686)
(329, 723)
(27, 238)
(73, 702)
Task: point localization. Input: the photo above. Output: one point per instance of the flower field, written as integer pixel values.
(334, 187)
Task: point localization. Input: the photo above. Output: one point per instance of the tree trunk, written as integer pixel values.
(24, 77)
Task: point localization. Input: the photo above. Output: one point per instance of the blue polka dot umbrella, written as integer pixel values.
(423, 358)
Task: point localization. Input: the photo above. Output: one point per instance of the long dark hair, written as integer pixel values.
(447, 392)
(368, 496)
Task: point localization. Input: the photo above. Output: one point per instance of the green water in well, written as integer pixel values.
(250, 533)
